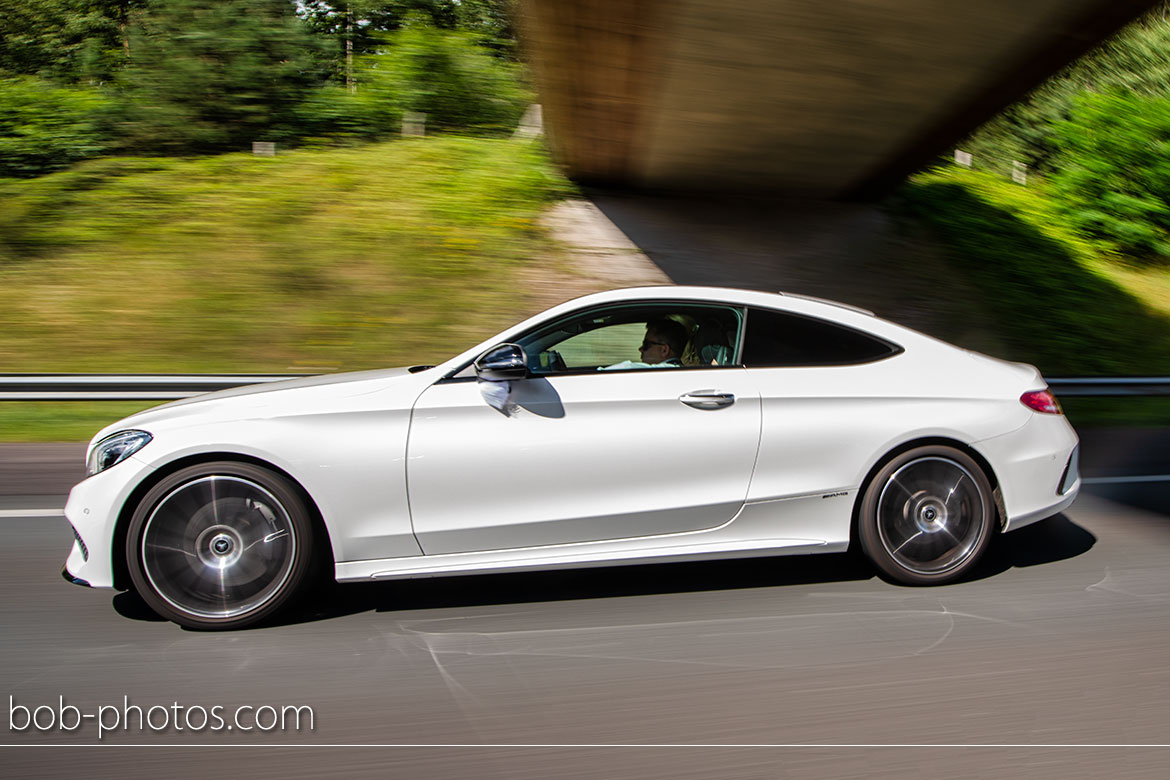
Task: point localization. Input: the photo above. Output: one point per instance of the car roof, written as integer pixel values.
(788, 301)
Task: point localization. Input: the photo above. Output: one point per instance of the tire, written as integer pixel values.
(220, 545)
(927, 516)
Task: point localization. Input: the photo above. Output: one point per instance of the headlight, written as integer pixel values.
(114, 449)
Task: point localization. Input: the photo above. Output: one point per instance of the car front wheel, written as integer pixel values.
(220, 545)
(927, 516)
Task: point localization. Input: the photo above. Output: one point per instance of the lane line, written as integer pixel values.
(13, 513)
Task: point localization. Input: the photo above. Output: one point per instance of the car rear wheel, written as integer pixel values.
(927, 516)
(220, 545)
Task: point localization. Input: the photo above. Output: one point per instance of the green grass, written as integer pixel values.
(408, 251)
(61, 420)
(316, 260)
(1051, 298)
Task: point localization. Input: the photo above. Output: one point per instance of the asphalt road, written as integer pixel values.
(1060, 640)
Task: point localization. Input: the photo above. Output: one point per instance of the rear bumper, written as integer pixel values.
(1040, 514)
(1037, 467)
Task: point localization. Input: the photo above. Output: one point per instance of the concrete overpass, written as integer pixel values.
(837, 99)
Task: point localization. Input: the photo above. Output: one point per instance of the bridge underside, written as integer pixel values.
(793, 97)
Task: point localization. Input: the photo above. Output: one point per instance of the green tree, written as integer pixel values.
(1136, 60)
(215, 75)
(1112, 172)
(491, 21)
(445, 74)
(358, 28)
(353, 29)
(458, 84)
(68, 40)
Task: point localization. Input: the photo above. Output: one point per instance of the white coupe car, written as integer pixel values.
(779, 425)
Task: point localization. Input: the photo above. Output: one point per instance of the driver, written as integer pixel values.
(661, 348)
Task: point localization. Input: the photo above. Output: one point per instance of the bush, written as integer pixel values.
(44, 127)
(445, 75)
(1113, 173)
(332, 111)
(1137, 60)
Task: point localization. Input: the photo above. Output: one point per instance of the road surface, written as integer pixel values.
(1062, 639)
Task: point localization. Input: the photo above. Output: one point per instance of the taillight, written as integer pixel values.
(1041, 401)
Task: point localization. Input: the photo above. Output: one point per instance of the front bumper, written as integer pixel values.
(71, 579)
(92, 510)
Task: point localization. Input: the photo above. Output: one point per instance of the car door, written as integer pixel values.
(584, 456)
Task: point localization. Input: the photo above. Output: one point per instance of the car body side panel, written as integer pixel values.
(579, 458)
(344, 443)
(823, 428)
(758, 530)
(351, 463)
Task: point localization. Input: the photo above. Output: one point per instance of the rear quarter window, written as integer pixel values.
(780, 339)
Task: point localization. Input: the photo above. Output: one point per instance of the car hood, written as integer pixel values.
(224, 403)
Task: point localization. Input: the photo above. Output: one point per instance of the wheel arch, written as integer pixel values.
(121, 567)
(925, 441)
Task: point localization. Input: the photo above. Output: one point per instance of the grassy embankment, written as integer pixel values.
(408, 251)
(390, 254)
(1053, 298)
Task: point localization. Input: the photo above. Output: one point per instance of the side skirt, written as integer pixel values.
(507, 560)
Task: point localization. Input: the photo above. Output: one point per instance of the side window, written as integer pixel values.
(635, 336)
(780, 339)
(603, 346)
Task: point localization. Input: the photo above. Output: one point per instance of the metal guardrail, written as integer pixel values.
(122, 387)
(166, 387)
(1105, 386)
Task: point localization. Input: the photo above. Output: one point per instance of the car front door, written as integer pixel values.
(584, 456)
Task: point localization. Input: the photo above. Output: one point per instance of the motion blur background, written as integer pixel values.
(246, 186)
(266, 186)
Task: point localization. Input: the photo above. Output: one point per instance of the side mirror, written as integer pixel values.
(501, 363)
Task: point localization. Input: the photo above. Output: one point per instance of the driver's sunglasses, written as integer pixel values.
(648, 343)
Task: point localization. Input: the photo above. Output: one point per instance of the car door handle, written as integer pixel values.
(707, 399)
